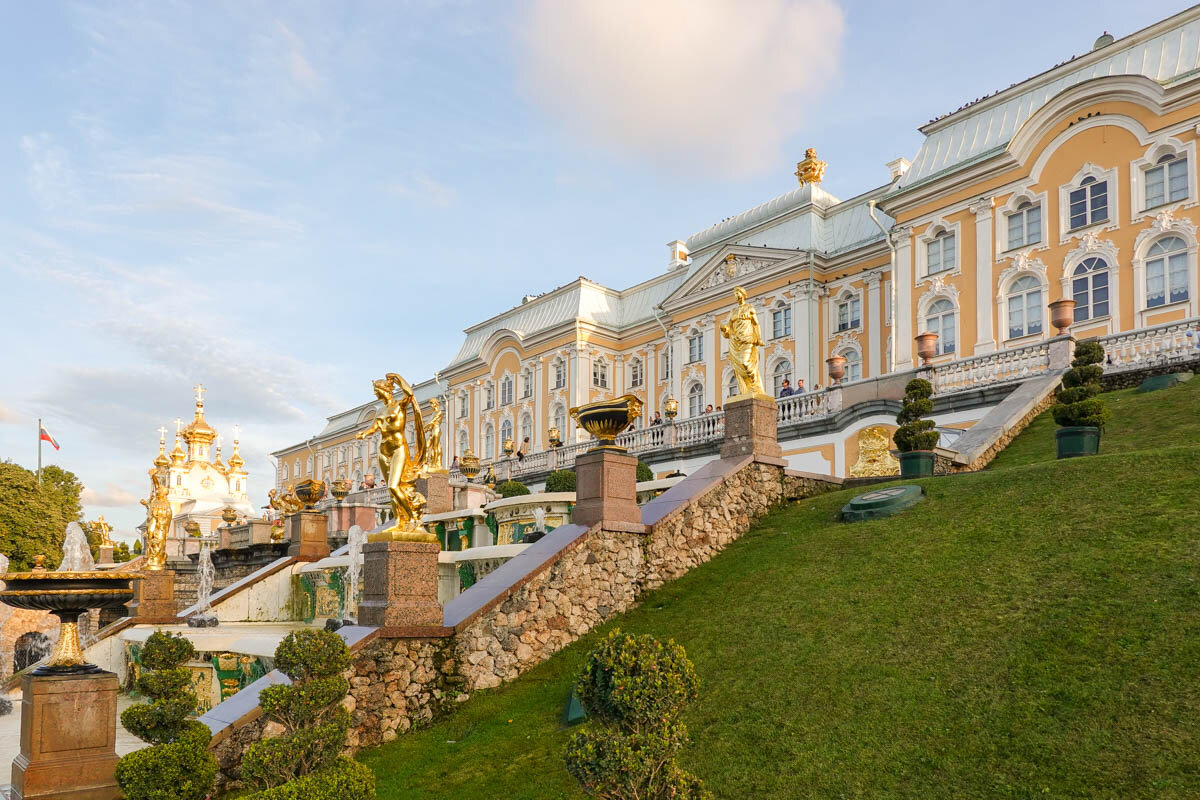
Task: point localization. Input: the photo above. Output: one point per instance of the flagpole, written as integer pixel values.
(39, 472)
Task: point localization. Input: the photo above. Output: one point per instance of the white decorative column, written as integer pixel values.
(618, 374)
(539, 406)
(873, 318)
(477, 405)
(801, 333)
(712, 354)
(676, 344)
(903, 313)
(985, 339)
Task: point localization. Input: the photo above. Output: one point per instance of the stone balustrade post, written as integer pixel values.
(606, 491)
(154, 596)
(751, 428)
(400, 585)
(308, 532)
(1062, 350)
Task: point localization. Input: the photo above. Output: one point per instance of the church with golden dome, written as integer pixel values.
(201, 485)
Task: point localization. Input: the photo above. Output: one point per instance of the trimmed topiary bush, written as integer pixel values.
(304, 761)
(178, 766)
(1076, 404)
(915, 432)
(644, 473)
(511, 489)
(634, 689)
(561, 480)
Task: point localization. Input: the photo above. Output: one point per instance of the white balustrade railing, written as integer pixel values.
(808, 405)
(1162, 344)
(995, 368)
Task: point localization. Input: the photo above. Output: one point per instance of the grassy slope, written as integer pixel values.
(1029, 631)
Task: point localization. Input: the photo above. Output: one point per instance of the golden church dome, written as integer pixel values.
(177, 454)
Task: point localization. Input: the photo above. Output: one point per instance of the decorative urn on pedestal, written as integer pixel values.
(1062, 314)
(509, 446)
(837, 368)
(339, 489)
(926, 346)
(192, 527)
(555, 436)
(606, 419)
(229, 515)
(671, 407)
(468, 465)
(309, 492)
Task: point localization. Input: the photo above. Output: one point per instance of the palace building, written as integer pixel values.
(1077, 183)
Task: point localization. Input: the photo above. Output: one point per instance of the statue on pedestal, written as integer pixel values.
(433, 439)
(745, 338)
(158, 523)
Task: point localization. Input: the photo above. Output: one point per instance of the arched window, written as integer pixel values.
(1025, 225)
(853, 364)
(1024, 307)
(559, 418)
(1089, 288)
(940, 253)
(781, 373)
(357, 476)
(600, 373)
(462, 443)
(505, 431)
(695, 399)
(526, 429)
(283, 472)
(940, 320)
(296, 470)
(1088, 204)
(308, 464)
(1167, 181)
(636, 374)
(506, 390)
(1166, 272)
(489, 442)
(731, 389)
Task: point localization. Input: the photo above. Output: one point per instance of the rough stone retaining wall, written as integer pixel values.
(1132, 378)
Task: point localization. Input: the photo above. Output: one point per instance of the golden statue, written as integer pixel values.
(433, 440)
(400, 463)
(811, 169)
(101, 530)
(158, 524)
(286, 503)
(875, 457)
(744, 340)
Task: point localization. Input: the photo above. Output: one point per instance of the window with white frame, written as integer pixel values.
(600, 373)
(939, 319)
(489, 442)
(695, 344)
(560, 374)
(526, 428)
(637, 374)
(505, 432)
(283, 472)
(296, 469)
(1166, 272)
(731, 389)
(463, 446)
(666, 361)
(1167, 181)
(1088, 204)
(1089, 289)
(853, 364)
(1024, 307)
(1025, 225)
(781, 322)
(940, 254)
(489, 396)
(781, 373)
(695, 400)
(559, 418)
(506, 391)
(463, 405)
(849, 313)
(527, 383)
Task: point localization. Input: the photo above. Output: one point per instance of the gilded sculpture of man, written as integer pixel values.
(433, 439)
(102, 531)
(158, 524)
(400, 463)
(745, 338)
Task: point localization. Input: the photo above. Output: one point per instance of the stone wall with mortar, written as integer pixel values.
(1134, 377)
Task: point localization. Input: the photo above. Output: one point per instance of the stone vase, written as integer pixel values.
(1062, 314)
(926, 346)
(837, 368)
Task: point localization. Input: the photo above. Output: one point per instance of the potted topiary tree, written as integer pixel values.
(178, 765)
(1079, 414)
(916, 438)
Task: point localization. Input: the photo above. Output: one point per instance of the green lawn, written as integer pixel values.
(1025, 632)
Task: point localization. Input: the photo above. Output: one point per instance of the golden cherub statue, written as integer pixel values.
(158, 524)
(745, 338)
(433, 439)
(400, 463)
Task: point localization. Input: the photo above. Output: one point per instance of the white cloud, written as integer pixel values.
(425, 189)
(710, 86)
(111, 496)
(10, 417)
(52, 180)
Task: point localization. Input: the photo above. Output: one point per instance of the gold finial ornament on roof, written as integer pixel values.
(745, 338)
(158, 524)
(875, 457)
(199, 430)
(811, 169)
(400, 463)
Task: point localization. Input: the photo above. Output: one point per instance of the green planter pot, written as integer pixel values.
(1078, 440)
(916, 464)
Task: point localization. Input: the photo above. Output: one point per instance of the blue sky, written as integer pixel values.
(284, 200)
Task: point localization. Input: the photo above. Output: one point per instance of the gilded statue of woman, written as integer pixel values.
(399, 463)
(433, 439)
(744, 340)
(158, 524)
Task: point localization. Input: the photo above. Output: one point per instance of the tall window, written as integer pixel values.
(462, 405)
(506, 391)
(296, 469)
(853, 364)
(1167, 181)
(1088, 203)
(505, 431)
(636, 373)
(781, 373)
(940, 253)
(1089, 288)
(489, 442)
(1166, 272)
(527, 383)
(1025, 225)
(489, 396)
(600, 373)
(462, 443)
(666, 361)
(1024, 307)
(732, 388)
(560, 374)
(559, 419)
(940, 320)
(781, 322)
(849, 314)
(696, 348)
(695, 400)
(526, 429)
(283, 472)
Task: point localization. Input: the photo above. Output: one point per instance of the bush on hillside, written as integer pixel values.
(511, 489)
(634, 689)
(915, 432)
(644, 473)
(178, 766)
(1076, 403)
(561, 480)
(304, 761)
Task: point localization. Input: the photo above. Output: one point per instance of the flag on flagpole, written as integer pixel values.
(45, 436)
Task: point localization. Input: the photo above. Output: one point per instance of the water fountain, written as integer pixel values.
(357, 537)
(204, 617)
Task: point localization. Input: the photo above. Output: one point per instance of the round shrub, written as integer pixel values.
(561, 480)
(181, 770)
(343, 780)
(1077, 404)
(311, 654)
(511, 489)
(644, 473)
(915, 432)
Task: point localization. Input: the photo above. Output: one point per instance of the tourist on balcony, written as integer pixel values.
(786, 389)
(523, 450)
(454, 464)
(799, 386)
(657, 418)
(708, 409)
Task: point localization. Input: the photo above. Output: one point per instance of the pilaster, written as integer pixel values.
(873, 318)
(902, 315)
(985, 339)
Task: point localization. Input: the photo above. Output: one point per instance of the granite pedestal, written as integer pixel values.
(308, 532)
(400, 585)
(105, 555)
(68, 738)
(154, 595)
(439, 497)
(606, 491)
(751, 429)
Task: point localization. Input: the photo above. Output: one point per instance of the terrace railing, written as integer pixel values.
(1151, 347)
(1007, 366)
